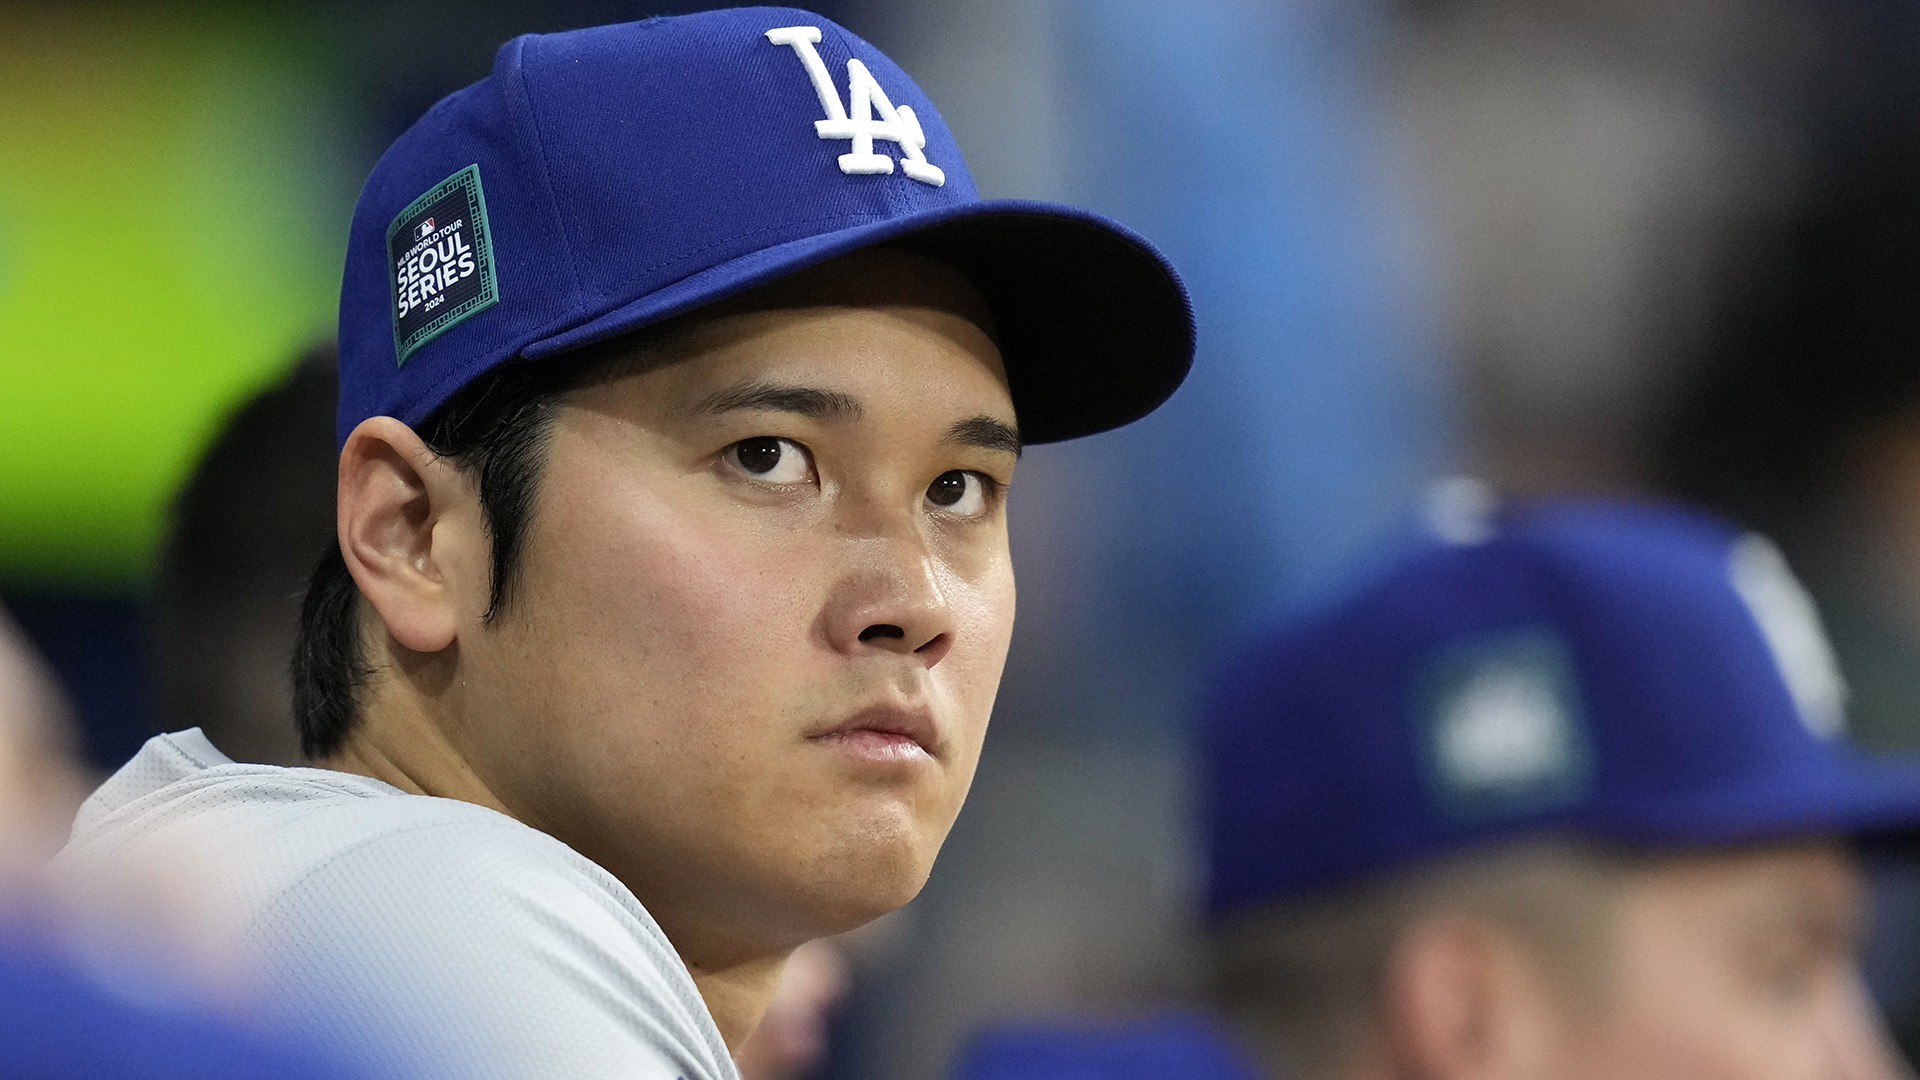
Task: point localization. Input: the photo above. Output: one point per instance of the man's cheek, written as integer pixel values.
(984, 623)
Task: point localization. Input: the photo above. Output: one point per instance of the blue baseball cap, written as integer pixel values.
(1642, 674)
(604, 179)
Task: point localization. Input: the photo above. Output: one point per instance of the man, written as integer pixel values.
(1563, 798)
(679, 399)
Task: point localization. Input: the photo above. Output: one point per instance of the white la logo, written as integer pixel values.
(897, 125)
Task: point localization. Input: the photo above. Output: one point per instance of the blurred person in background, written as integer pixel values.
(1805, 423)
(41, 780)
(245, 531)
(1564, 796)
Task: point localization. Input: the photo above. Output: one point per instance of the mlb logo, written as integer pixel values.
(423, 230)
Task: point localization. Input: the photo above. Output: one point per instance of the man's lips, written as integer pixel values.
(885, 733)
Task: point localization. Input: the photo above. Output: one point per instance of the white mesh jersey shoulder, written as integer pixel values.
(440, 937)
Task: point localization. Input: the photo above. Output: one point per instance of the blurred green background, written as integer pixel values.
(174, 190)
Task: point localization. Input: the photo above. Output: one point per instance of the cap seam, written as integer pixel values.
(537, 141)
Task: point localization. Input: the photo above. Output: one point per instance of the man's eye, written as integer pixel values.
(958, 492)
(773, 460)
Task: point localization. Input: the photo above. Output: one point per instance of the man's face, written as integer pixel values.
(1736, 966)
(765, 602)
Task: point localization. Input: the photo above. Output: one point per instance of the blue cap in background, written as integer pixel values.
(1637, 673)
(600, 180)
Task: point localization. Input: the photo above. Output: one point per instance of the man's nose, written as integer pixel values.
(891, 598)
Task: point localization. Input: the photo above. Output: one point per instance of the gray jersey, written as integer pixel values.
(442, 937)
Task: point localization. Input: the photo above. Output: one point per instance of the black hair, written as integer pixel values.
(496, 430)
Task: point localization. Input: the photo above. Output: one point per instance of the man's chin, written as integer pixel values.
(842, 913)
(859, 887)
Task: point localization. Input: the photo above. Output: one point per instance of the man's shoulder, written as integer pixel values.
(182, 778)
(411, 915)
(431, 926)
(265, 836)
(180, 793)
(419, 857)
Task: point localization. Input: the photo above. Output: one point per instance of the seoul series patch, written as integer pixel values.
(441, 255)
(1503, 729)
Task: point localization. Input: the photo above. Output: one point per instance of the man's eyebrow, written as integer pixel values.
(809, 401)
(986, 433)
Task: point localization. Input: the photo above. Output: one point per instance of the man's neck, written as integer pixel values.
(738, 995)
(403, 746)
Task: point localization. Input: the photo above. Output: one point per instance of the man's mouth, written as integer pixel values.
(884, 734)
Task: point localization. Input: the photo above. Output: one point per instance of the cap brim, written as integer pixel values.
(1868, 799)
(1092, 322)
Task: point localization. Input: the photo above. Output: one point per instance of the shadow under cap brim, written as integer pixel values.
(1092, 322)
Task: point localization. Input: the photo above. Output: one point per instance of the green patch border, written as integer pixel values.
(468, 181)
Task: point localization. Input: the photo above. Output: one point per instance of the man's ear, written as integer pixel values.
(1464, 1001)
(403, 525)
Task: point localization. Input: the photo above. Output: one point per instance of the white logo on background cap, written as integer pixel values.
(1504, 724)
(1791, 626)
(1504, 728)
(855, 120)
